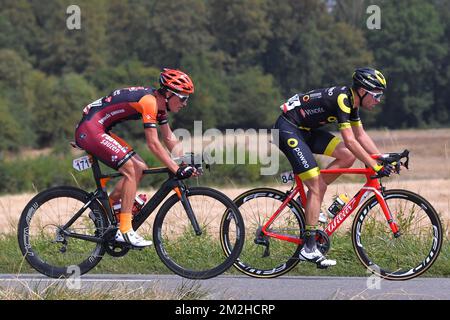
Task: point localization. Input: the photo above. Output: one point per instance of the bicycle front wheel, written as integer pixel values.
(44, 242)
(409, 254)
(266, 256)
(198, 256)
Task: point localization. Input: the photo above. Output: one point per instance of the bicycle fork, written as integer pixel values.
(181, 192)
(387, 213)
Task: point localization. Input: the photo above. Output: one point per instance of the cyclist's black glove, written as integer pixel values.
(185, 172)
(384, 171)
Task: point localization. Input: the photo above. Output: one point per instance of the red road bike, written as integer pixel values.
(396, 234)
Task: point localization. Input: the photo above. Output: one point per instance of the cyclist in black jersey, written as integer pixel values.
(300, 136)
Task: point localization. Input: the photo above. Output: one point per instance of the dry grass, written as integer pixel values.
(429, 174)
(27, 153)
(59, 290)
(11, 207)
(436, 191)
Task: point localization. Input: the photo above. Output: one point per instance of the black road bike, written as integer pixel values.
(64, 228)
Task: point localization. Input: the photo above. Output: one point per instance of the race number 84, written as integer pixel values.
(287, 177)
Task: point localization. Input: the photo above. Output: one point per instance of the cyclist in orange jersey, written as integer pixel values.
(93, 134)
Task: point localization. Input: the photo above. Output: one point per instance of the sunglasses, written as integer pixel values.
(182, 98)
(376, 95)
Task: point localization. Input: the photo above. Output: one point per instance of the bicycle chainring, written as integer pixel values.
(323, 242)
(116, 250)
(113, 248)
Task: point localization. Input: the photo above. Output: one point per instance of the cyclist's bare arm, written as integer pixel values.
(174, 146)
(148, 107)
(365, 140)
(355, 147)
(155, 146)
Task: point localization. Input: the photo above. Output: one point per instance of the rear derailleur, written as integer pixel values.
(262, 239)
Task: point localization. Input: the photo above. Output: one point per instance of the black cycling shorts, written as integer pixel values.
(299, 144)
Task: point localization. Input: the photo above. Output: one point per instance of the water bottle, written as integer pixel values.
(339, 202)
(116, 208)
(139, 202)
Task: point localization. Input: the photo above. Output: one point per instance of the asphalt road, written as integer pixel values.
(246, 288)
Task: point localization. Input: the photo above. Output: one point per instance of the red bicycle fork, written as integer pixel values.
(371, 186)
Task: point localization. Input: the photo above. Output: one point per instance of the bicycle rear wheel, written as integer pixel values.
(198, 256)
(42, 242)
(264, 256)
(403, 257)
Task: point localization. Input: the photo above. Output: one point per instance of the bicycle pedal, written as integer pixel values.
(136, 248)
(319, 266)
(129, 246)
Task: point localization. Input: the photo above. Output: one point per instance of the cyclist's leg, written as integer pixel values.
(127, 195)
(129, 188)
(139, 165)
(115, 155)
(316, 192)
(325, 143)
(292, 142)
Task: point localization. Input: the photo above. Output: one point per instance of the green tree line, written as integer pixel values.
(245, 57)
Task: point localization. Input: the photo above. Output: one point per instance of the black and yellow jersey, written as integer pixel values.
(321, 106)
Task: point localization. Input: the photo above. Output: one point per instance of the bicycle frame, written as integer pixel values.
(101, 195)
(372, 185)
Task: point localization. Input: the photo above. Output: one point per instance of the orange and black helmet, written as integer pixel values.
(177, 81)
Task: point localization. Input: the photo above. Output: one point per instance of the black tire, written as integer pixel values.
(256, 207)
(198, 256)
(410, 254)
(38, 232)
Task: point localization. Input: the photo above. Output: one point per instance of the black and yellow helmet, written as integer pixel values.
(369, 79)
